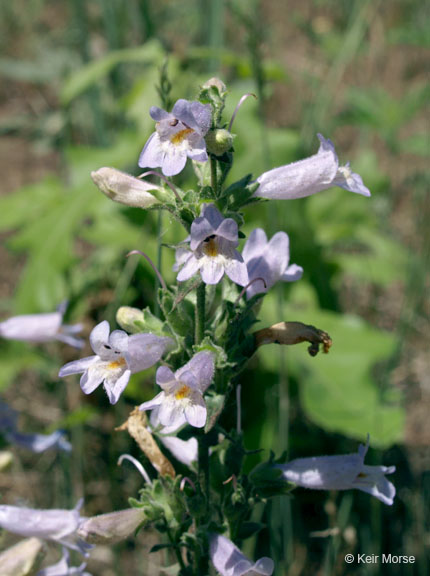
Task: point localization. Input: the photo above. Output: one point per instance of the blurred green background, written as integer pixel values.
(77, 80)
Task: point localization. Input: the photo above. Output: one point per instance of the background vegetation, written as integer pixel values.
(78, 78)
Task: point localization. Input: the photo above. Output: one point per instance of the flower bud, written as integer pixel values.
(217, 83)
(127, 317)
(218, 141)
(6, 459)
(23, 558)
(111, 528)
(124, 188)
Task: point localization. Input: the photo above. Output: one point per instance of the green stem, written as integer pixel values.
(159, 258)
(200, 313)
(202, 558)
(214, 182)
(176, 549)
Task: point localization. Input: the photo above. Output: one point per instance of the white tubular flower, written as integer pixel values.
(268, 260)
(213, 241)
(124, 188)
(182, 397)
(41, 328)
(185, 451)
(63, 568)
(343, 472)
(111, 528)
(57, 525)
(229, 560)
(309, 176)
(117, 357)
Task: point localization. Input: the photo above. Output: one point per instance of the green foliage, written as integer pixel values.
(340, 392)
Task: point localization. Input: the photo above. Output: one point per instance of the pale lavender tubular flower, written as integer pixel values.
(268, 260)
(117, 357)
(41, 328)
(63, 568)
(342, 472)
(182, 397)
(229, 560)
(179, 134)
(310, 176)
(185, 451)
(213, 242)
(56, 525)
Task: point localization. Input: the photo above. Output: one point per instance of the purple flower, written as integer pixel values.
(57, 525)
(310, 176)
(179, 134)
(41, 328)
(229, 560)
(117, 357)
(342, 472)
(182, 397)
(212, 251)
(268, 260)
(63, 568)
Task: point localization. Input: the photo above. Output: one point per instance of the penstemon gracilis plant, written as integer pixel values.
(205, 336)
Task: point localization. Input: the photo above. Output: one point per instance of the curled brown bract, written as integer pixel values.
(137, 427)
(290, 333)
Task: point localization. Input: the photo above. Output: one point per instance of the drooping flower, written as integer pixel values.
(112, 527)
(341, 472)
(268, 260)
(179, 134)
(310, 176)
(41, 328)
(117, 357)
(229, 560)
(63, 568)
(181, 399)
(213, 242)
(185, 451)
(124, 188)
(60, 526)
(35, 442)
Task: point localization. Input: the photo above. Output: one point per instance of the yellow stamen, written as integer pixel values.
(183, 392)
(180, 136)
(362, 475)
(116, 364)
(210, 248)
